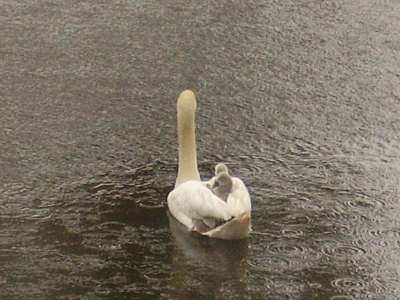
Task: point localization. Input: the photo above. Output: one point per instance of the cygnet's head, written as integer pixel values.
(220, 168)
(223, 185)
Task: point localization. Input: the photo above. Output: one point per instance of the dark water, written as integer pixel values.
(302, 101)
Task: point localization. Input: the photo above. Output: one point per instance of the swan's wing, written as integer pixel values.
(205, 204)
(193, 200)
(239, 198)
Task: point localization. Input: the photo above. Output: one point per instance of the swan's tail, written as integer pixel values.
(235, 229)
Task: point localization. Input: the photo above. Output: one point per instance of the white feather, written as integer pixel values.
(192, 202)
(239, 198)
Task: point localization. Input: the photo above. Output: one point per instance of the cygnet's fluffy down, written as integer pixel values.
(230, 189)
(222, 186)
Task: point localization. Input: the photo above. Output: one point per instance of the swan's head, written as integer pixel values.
(187, 102)
(220, 168)
(223, 184)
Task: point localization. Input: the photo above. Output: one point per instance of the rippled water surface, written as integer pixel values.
(301, 100)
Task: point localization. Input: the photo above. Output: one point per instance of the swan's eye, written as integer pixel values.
(216, 183)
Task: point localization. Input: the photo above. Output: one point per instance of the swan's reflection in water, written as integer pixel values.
(204, 267)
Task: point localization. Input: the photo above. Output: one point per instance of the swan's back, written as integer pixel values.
(192, 200)
(239, 199)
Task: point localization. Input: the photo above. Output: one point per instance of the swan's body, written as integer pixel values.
(192, 203)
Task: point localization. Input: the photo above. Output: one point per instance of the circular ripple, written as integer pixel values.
(112, 226)
(292, 233)
(375, 232)
(267, 262)
(311, 206)
(247, 170)
(150, 203)
(364, 203)
(345, 251)
(346, 216)
(348, 284)
(383, 243)
(381, 238)
(284, 285)
(296, 219)
(286, 249)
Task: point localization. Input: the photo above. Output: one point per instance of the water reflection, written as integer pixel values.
(206, 268)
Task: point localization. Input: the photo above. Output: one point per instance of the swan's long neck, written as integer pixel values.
(187, 169)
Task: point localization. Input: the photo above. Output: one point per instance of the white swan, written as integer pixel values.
(192, 203)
